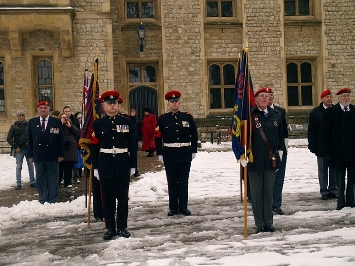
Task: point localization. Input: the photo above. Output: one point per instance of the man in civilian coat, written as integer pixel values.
(176, 146)
(261, 172)
(326, 171)
(46, 150)
(280, 174)
(114, 159)
(338, 143)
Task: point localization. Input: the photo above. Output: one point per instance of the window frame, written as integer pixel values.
(155, 4)
(37, 60)
(2, 87)
(142, 66)
(237, 13)
(222, 86)
(299, 84)
(297, 16)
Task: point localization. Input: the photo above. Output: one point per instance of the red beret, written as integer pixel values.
(120, 100)
(43, 103)
(268, 90)
(343, 90)
(325, 93)
(109, 95)
(172, 95)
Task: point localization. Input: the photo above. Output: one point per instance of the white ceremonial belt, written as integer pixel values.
(177, 145)
(113, 150)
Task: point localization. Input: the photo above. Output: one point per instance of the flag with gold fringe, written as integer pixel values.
(91, 111)
(244, 101)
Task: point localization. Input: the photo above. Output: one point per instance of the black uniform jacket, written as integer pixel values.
(338, 138)
(173, 128)
(45, 146)
(315, 131)
(283, 120)
(113, 132)
(272, 127)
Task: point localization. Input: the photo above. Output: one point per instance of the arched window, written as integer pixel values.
(300, 83)
(221, 85)
(44, 80)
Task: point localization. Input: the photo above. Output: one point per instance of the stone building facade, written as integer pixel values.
(45, 46)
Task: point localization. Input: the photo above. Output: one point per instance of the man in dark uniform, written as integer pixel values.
(338, 143)
(114, 152)
(176, 146)
(261, 172)
(46, 150)
(280, 174)
(315, 145)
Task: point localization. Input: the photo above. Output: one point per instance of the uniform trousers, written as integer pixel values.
(178, 181)
(350, 186)
(279, 182)
(47, 177)
(96, 196)
(261, 190)
(324, 170)
(112, 189)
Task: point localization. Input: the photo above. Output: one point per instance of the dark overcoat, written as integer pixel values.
(71, 150)
(272, 127)
(338, 140)
(315, 129)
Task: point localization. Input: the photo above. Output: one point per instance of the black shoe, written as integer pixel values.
(172, 213)
(99, 219)
(123, 233)
(137, 174)
(278, 210)
(260, 229)
(109, 234)
(18, 187)
(33, 185)
(340, 207)
(325, 197)
(270, 229)
(186, 212)
(332, 196)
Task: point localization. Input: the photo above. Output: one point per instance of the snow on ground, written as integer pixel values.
(311, 232)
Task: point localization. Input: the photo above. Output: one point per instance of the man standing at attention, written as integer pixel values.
(46, 150)
(315, 145)
(114, 157)
(280, 174)
(176, 146)
(338, 143)
(17, 138)
(268, 145)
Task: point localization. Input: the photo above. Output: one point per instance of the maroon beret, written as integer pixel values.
(109, 95)
(343, 90)
(268, 90)
(172, 95)
(45, 103)
(325, 93)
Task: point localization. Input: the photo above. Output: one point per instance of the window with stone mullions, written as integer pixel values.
(2, 86)
(44, 81)
(140, 9)
(221, 85)
(300, 83)
(219, 8)
(297, 7)
(135, 74)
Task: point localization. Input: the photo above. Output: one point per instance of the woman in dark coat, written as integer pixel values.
(71, 137)
(149, 123)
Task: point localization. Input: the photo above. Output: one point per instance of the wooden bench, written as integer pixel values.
(223, 133)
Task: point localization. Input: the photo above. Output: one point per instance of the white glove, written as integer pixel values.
(286, 143)
(193, 156)
(160, 158)
(96, 174)
(244, 161)
(280, 154)
(133, 170)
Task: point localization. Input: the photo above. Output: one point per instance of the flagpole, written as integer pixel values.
(245, 202)
(90, 188)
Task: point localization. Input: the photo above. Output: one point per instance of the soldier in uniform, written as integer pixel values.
(176, 147)
(114, 152)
